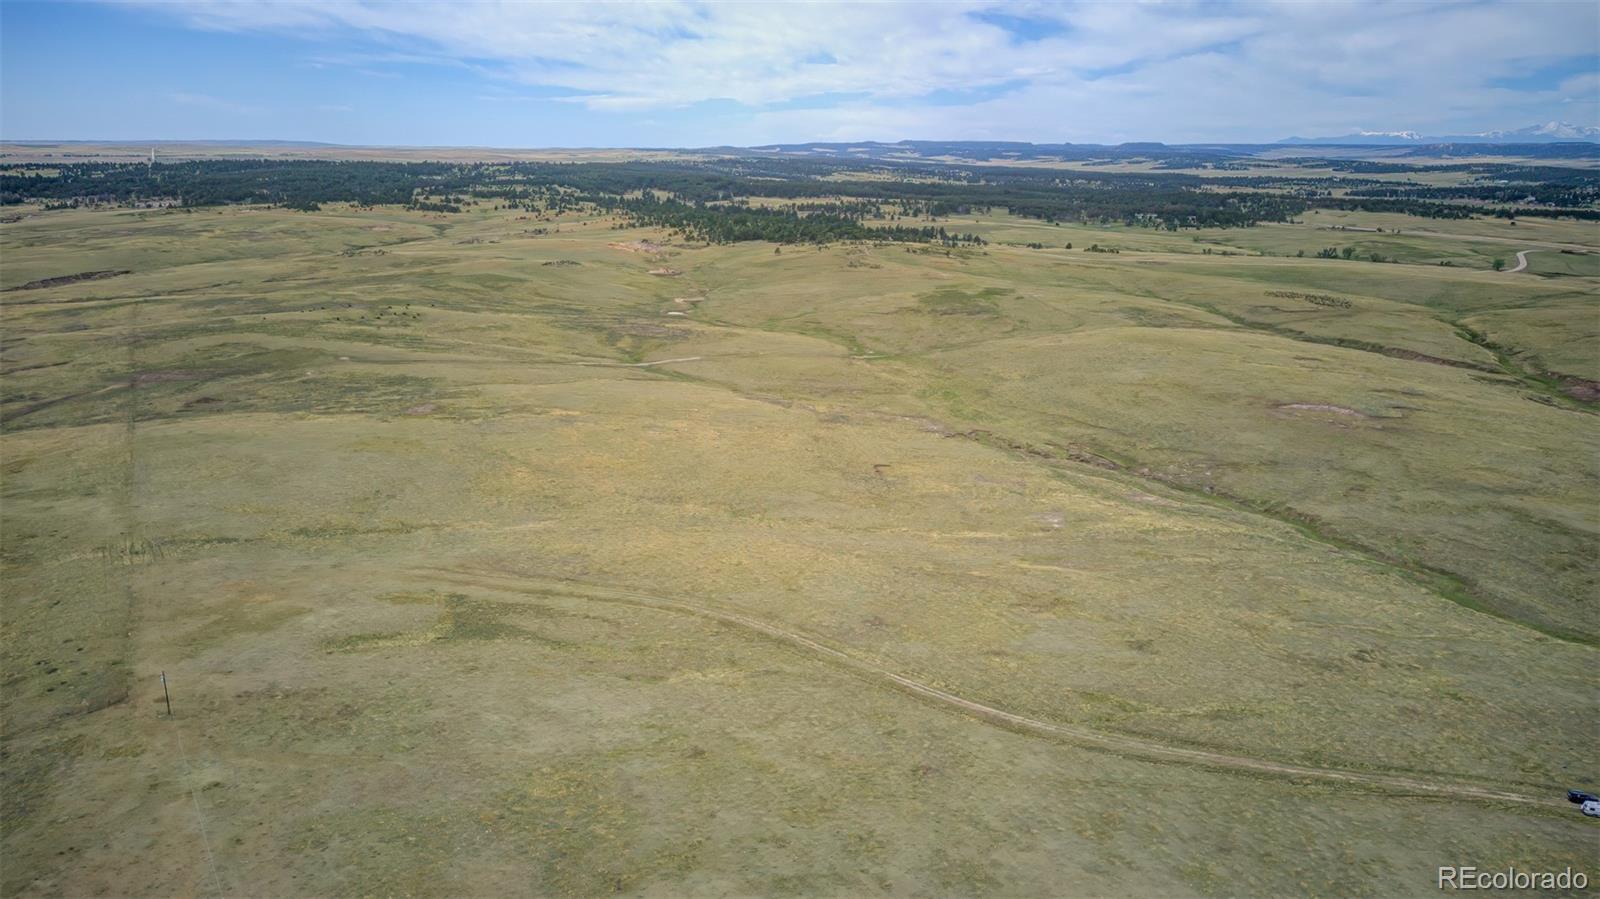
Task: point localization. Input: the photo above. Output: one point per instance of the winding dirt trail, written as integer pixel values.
(1116, 743)
(640, 364)
(1522, 261)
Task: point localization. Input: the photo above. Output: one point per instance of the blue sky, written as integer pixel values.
(697, 74)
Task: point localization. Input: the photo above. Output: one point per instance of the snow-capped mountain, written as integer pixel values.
(1547, 131)
(1533, 134)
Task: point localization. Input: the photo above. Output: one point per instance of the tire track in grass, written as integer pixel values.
(1119, 744)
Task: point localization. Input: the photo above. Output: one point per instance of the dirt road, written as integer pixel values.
(1522, 261)
(1082, 736)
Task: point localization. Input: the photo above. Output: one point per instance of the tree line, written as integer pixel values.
(830, 198)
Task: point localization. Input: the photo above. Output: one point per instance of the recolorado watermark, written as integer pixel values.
(1470, 878)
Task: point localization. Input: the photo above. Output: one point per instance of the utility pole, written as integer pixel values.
(166, 694)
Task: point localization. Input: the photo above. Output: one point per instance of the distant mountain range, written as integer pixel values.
(1549, 132)
(1554, 140)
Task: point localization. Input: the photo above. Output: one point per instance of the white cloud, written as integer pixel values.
(1582, 87)
(1142, 70)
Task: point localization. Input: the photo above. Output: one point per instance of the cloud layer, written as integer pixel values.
(1083, 71)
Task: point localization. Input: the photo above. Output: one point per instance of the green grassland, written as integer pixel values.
(485, 561)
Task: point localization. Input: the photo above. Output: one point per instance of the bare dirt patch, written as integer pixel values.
(1580, 388)
(1322, 407)
(636, 246)
(423, 409)
(666, 272)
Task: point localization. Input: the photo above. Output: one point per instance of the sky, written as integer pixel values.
(693, 74)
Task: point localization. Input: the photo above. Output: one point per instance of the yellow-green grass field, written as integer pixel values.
(483, 561)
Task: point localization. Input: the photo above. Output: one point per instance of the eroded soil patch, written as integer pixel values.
(1580, 388)
(1322, 407)
(636, 246)
(60, 280)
